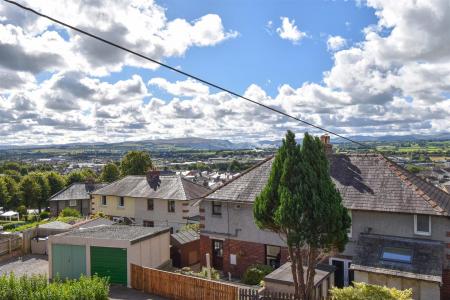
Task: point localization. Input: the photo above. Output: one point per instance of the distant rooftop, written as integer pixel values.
(133, 234)
(76, 191)
(171, 187)
(184, 237)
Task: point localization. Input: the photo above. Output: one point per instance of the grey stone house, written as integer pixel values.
(386, 203)
(76, 196)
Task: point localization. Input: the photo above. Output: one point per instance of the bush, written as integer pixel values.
(70, 212)
(44, 215)
(361, 290)
(11, 225)
(37, 287)
(68, 220)
(255, 274)
(204, 273)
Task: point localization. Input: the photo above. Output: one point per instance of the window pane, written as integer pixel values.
(423, 223)
(397, 254)
(217, 209)
(273, 256)
(149, 204)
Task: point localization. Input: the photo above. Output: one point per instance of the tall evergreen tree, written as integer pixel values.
(301, 203)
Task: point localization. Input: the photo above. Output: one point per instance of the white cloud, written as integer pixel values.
(336, 42)
(289, 31)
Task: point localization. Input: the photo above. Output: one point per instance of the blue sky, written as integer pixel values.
(372, 67)
(257, 56)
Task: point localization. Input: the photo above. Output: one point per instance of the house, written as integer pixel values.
(152, 200)
(281, 281)
(185, 248)
(107, 251)
(76, 196)
(382, 197)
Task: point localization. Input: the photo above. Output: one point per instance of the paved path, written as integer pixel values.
(25, 265)
(123, 293)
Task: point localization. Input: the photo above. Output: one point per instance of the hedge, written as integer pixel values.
(256, 273)
(361, 290)
(37, 287)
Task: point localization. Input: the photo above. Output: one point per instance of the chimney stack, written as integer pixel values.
(325, 139)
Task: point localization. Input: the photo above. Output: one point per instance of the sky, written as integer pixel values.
(374, 67)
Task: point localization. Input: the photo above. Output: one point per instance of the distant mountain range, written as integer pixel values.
(194, 143)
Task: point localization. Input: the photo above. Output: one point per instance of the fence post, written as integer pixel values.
(9, 245)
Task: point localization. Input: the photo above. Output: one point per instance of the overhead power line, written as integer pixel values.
(185, 73)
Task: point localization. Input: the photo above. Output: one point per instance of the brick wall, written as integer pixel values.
(247, 254)
(445, 289)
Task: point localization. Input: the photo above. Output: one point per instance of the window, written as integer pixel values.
(73, 203)
(397, 254)
(104, 200)
(273, 256)
(171, 206)
(148, 223)
(150, 204)
(216, 209)
(121, 201)
(422, 224)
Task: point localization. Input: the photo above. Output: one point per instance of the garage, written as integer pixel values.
(69, 261)
(110, 262)
(108, 251)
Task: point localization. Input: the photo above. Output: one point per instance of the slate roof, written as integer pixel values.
(55, 225)
(426, 263)
(172, 187)
(133, 234)
(76, 191)
(365, 181)
(184, 237)
(283, 274)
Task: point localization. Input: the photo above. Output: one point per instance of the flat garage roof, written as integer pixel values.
(133, 234)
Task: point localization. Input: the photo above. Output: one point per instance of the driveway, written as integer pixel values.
(25, 265)
(123, 293)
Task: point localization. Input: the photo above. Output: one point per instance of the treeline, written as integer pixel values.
(234, 166)
(27, 186)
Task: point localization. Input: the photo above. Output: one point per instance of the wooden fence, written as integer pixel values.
(179, 286)
(7, 245)
(250, 294)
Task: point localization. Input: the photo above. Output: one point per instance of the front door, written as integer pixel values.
(339, 273)
(217, 254)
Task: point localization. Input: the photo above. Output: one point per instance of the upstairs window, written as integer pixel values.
(150, 204)
(402, 255)
(104, 200)
(171, 206)
(216, 209)
(121, 201)
(422, 224)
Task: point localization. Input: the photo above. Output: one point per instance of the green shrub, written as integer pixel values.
(204, 273)
(27, 226)
(44, 214)
(70, 212)
(255, 274)
(361, 290)
(36, 287)
(22, 210)
(68, 220)
(12, 225)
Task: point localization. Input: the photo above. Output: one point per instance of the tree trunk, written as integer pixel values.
(300, 273)
(311, 272)
(294, 272)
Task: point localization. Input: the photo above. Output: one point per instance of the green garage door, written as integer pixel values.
(110, 262)
(68, 261)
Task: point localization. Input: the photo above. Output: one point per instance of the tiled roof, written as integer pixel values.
(365, 181)
(76, 191)
(426, 257)
(172, 187)
(184, 237)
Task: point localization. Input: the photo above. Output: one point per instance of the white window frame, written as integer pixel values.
(347, 263)
(425, 233)
(72, 203)
(118, 202)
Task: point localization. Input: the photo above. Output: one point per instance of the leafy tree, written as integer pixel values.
(13, 174)
(44, 189)
(22, 210)
(56, 182)
(301, 203)
(30, 191)
(414, 168)
(235, 166)
(5, 198)
(361, 290)
(13, 191)
(80, 175)
(135, 163)
(110, 173)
